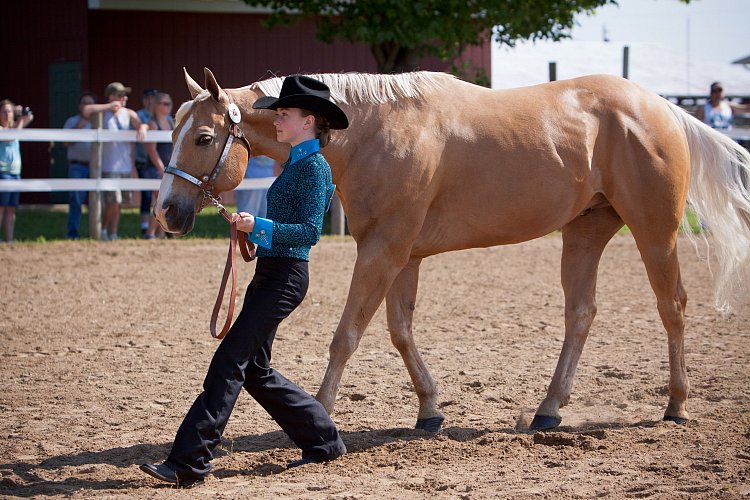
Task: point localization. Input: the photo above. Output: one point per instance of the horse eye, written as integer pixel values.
(204, 140)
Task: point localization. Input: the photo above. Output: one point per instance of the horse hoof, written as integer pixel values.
(676, 420)
(544, 423)
(431, 424)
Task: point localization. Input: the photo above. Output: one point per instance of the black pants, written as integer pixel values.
(243, 360)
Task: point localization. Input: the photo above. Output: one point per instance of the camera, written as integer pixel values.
(20, 111)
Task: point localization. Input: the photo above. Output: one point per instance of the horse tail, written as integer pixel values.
(720, 171)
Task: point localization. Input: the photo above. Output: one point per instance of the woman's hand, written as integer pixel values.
(245, 221)
(140, 133)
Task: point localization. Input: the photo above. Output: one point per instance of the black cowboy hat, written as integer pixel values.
(300, 91)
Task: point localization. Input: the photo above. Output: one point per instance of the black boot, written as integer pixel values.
(164, 472)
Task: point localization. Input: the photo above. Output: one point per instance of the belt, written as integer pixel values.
(85, 163)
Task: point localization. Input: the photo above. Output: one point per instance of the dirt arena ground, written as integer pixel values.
(105, 345)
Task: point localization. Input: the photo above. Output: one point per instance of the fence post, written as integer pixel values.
(95, 207)
(338, 219)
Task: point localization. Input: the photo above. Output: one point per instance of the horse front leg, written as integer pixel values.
(584, 240)
(374, 271)
(400, 303)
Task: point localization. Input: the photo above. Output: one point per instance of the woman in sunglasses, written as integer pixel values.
(158, 152)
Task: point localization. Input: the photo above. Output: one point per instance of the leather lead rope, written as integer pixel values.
(247, 249)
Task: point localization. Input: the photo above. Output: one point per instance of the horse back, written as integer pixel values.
(468, 166)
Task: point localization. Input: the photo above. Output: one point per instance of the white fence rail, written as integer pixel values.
(51, 185)
(99, 184)
(81, 135)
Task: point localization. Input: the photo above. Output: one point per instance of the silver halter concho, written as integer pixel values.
(206, 184)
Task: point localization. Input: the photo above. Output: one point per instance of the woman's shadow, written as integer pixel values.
(23, 479)
(26, 479)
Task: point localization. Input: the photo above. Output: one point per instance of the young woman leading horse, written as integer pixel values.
(297, 201)
(434, 164)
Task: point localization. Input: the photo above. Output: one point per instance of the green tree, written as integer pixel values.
(401, 32)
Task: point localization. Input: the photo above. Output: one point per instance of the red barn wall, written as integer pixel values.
(145, 49)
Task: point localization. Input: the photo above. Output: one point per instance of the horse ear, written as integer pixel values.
(211, 85)
(192, 85)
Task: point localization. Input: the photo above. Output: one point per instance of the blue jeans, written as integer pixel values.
(77, 198)
(9, 198)
(147, 171)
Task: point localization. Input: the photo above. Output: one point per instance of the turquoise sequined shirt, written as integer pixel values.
(297, 201)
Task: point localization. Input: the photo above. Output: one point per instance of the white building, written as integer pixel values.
(654, 66)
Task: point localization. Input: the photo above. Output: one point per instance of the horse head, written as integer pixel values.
(209, 157)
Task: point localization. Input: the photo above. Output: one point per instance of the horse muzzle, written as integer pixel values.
(174, 217)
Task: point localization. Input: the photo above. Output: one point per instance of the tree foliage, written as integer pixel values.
(401, 32)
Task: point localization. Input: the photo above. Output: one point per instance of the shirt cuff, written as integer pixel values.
(262, 234)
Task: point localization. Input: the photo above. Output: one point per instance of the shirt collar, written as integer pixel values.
(303, 150)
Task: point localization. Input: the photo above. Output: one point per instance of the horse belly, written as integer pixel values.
(482, 217)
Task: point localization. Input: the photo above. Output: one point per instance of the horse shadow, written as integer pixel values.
(33, 483)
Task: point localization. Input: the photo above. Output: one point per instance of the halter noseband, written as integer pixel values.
(206, 183)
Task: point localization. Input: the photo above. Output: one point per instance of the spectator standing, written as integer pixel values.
(718, 112)
(11, 116)
(158, 155)
(79, 158)
(117, 157)
(141, 156)
(253, 201)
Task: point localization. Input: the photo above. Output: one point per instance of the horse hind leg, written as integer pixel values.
(584, 239)
(400, 302)
(659, 255)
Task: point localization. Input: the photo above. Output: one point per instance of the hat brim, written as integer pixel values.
(336, 117)
(124, 90)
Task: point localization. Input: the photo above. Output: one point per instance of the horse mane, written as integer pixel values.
(364, 88)
(352, 88)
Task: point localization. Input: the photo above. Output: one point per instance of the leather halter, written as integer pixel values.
(206, 183)
(236, 237)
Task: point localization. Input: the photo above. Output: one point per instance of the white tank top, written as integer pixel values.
(720, 117)
(116, 156)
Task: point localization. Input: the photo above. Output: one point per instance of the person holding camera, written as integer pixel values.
(11, 116)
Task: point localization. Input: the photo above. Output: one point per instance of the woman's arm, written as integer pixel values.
(153, 155)
(312, 191)
(139, 127)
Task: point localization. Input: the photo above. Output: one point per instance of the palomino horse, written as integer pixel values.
(432, 164)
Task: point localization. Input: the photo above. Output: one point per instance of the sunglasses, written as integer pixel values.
(717, 89)
(165, 103)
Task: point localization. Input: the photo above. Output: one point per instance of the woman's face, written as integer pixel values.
(6, 115)
(163, 105)
(85, 100)
(292, 127)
